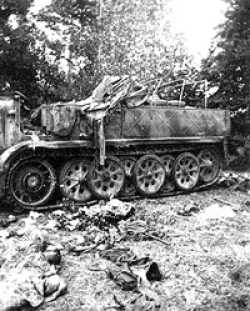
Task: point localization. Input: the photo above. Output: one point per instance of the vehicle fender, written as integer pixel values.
(5, 157)
(31, 144)
(8, 154)
(12, 151)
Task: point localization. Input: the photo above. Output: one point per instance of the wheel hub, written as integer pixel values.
(185, 172)
(149, 175)
(207, 163)
(33, 182)
(106, 177)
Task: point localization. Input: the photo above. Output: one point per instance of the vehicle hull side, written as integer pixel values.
(160, 123)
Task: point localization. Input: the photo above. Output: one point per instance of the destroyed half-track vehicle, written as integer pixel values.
(124, 140)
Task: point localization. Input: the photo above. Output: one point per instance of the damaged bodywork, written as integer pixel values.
(125, 138)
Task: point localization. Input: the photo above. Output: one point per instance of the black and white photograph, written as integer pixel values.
(124, 155)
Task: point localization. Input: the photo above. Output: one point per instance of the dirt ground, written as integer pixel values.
(207, 237)
(200, 241)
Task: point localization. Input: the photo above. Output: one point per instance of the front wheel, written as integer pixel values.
(31, 183)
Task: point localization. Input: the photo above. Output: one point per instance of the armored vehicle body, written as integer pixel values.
(122, 141)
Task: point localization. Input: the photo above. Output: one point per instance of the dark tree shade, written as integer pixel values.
(228, 65)
(77, 22)
(18, 59)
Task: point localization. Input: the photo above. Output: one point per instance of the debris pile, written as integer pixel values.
(102, 226)
(29, 266)
(103, 229)
(235, 181)
(188, 209)
(190, 253)
(5, 222)
(101, 215)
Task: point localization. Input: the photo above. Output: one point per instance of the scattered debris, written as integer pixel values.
(241, 273)
(224, 202)
(156, 239)
(53, 255)
(100, 215)
(227, 179)
(125, 279)
(235, 181)
(29, 267)
(153, 258)
(188, 209)
(153, 273)
(119, 256)
(5, 222)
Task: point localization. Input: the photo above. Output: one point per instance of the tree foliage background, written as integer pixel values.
(113, 37)
(137, 40)
(18, 60)
(228, 65)
(63, 51)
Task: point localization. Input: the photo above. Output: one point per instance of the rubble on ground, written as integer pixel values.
(235, 181)
(100, 215)
(5, 222)
(186, 253)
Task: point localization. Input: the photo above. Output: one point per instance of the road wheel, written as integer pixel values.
(73, 180)
(149, 175)
(186, 171)
(209, 166)
(108, 180)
